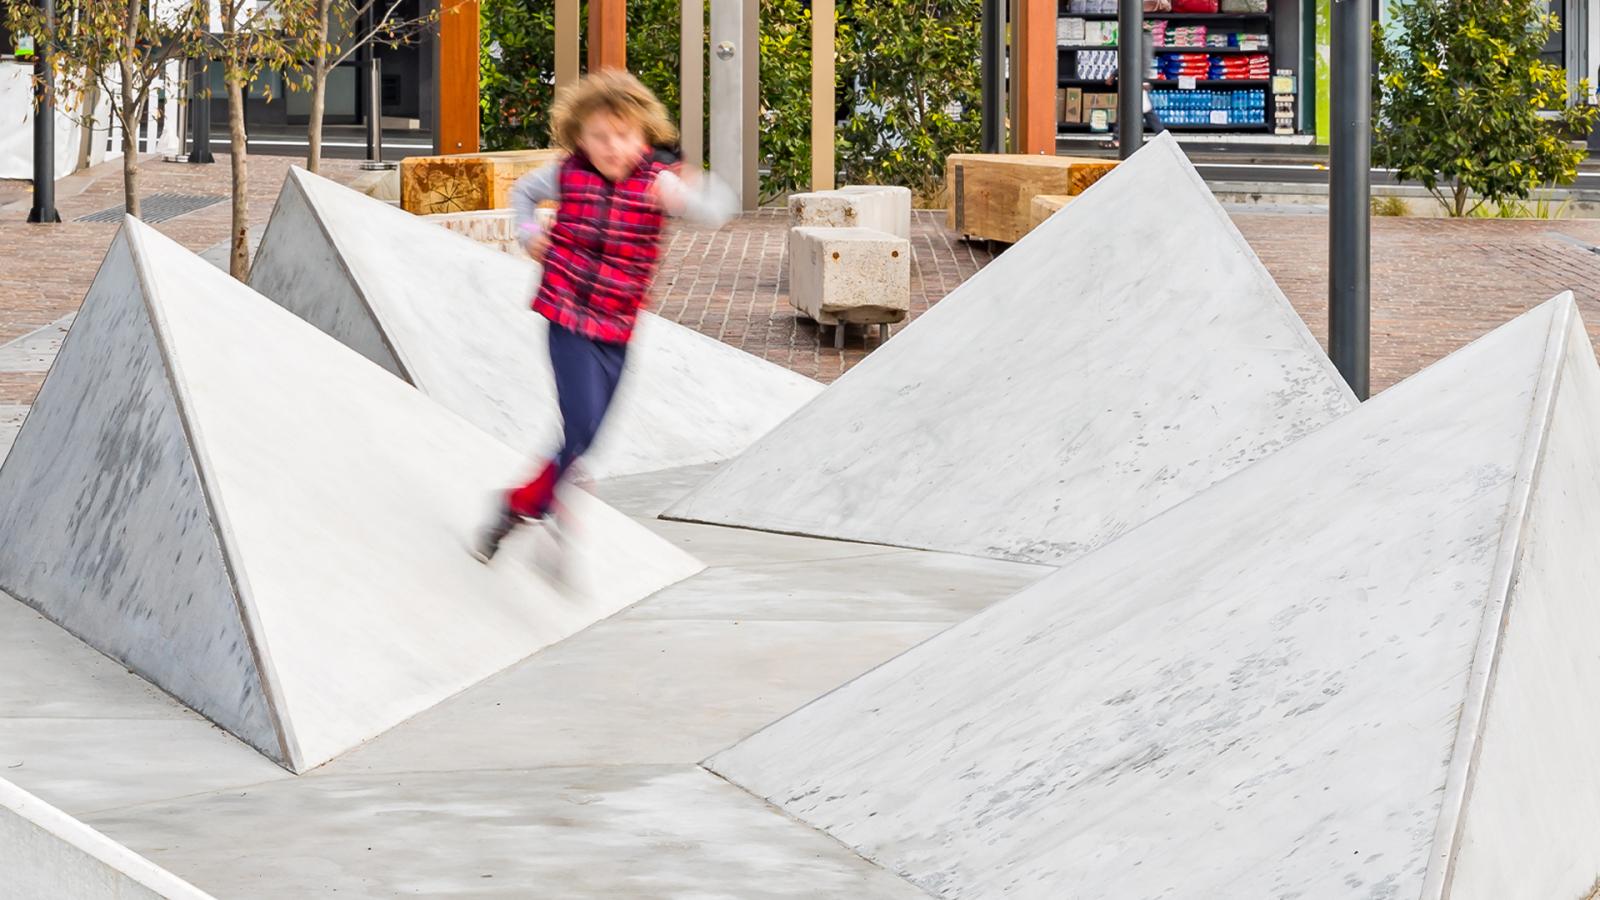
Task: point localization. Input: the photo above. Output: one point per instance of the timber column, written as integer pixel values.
(457, 110)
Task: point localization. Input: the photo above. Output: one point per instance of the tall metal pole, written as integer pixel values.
(1349, 190)
(44, 125)
(374, 90)
(1130, 75)
(200, 113)
(994, 81)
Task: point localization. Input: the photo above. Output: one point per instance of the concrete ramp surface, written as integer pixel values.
(1362, 667)
(272, 529)
(45, 853)
(1126, 354)
(451, 317)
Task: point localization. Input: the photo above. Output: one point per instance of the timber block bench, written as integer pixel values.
(466, 182)
(1046, 205)
(850, 276)
(991, 194)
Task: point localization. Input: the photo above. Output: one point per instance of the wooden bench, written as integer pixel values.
(991, 195)
(466, 182)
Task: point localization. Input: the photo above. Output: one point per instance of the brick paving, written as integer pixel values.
(1437, 284)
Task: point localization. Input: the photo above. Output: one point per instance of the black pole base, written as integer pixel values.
(200, 157)
(43, 216)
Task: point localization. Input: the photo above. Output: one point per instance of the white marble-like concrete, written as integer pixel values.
(1260, 693)
(1067, 392)
(454, 317)
(1530, 821)
(11, 416)
(46, 853)
(335, 517)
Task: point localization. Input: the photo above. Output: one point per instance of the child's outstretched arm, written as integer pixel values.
(709, 203)
(532, 189)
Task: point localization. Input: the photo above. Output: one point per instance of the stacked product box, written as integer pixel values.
(1096, 65)
(1179, 108)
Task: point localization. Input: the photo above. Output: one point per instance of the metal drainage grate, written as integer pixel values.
(156, 208)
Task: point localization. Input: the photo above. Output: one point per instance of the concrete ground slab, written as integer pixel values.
(35, 351)
(628, 693)
(11, 416)
(451, 317)
(665, 832)
(46, 853)
(1058, 398)
(648, 495)
(1371, 682)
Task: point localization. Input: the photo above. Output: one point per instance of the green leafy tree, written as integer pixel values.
(117, 47)
(1465, 106)
(911, 68)
(785, 131)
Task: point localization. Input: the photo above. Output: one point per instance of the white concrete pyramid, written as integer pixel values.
(269, 527)
(1126, 354)
(451, 317)
(1363, 667)
(46, 853)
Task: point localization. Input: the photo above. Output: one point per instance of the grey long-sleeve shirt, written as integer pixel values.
(709, 204)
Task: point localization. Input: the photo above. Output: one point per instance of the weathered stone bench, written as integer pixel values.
(879, 207)
(850, 276)
(491, 227)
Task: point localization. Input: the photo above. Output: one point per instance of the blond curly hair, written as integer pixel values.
(616, 92)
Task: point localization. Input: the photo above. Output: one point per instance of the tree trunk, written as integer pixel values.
(129, 115)
(239, 260)
(319, 85)
(319, 92)
(1461, 200)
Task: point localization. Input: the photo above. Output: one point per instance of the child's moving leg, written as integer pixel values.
(586, 373)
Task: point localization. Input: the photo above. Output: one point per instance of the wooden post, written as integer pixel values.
(567, 19)
(692, 93)
(458, 77)
(608, 34)
(1034, 68)
(823, 99)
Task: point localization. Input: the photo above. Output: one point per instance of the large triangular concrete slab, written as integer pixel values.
(452, 317)
(46, 853)
(1126, 354)
(1361, 667)
(269, 527)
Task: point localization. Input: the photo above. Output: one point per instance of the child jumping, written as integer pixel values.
(613, 193)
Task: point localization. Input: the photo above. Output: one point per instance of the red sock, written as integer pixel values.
(533, 499)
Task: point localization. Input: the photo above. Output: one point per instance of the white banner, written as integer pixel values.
(16, 126)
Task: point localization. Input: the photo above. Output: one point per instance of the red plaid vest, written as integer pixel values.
(604, 247)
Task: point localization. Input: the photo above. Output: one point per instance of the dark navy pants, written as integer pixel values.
(587, 373)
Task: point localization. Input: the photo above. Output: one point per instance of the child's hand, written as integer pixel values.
(538, 245)
(670, 193)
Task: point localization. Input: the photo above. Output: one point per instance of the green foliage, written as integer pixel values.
(1458, 104)
(785, 97)
(915, 65)
(908, 77)
(518, 74)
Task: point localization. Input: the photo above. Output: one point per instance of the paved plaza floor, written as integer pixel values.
(1436, 284)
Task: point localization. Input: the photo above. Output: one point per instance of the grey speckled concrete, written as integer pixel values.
(455, 315)
(107, 527)
(1061, 396)
(1360, 668)
(11, 417)
(195, 490)
(34, 351)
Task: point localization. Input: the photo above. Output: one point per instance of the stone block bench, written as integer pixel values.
(879, 207)
(850, 276)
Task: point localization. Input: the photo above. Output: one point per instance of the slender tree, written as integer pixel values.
(254, 37)
(118, 47)
(343, 27)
